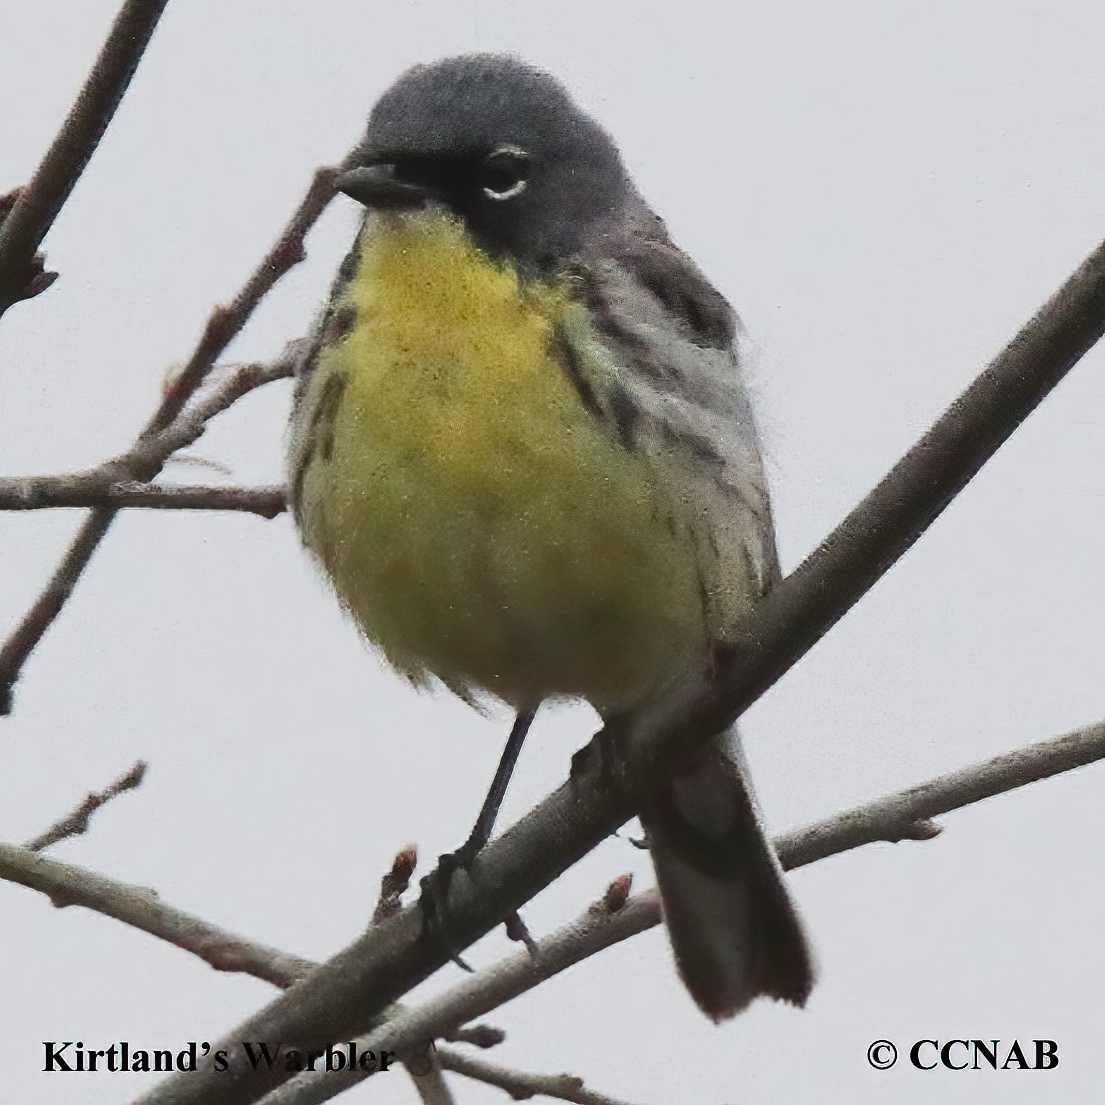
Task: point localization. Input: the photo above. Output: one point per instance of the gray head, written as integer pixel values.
(501, 145)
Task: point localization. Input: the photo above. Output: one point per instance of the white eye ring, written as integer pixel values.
(515, 153)
(516, 189)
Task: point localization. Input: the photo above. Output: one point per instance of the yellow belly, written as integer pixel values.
(477, 521)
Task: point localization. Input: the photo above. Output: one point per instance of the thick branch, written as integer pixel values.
(609, 921)
(38, 204)
(613, 919)
(616, 918)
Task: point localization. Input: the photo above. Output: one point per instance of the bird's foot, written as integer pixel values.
(434, 896)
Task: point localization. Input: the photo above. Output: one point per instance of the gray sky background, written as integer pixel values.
(885, 191)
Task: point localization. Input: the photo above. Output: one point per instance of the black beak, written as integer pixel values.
(377, 186)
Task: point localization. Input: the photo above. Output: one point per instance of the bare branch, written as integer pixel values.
(152, 450)
(897, 816)
(66, 885)
(48, 605)
(615, 918)
(410, 1029)
(51, 492)
(803, 608)
(172, 427)
(474, 996)
(610, 920)
(77, 822)
(34, 279)
(142, 463)
(353, 988)
(522, 1085)
(225, 323)
(37, 205)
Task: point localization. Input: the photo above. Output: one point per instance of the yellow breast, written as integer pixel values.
(474, 517)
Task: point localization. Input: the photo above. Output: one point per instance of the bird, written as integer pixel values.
(523, 452)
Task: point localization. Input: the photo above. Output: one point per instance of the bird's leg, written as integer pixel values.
(485, 822)
(435, 885)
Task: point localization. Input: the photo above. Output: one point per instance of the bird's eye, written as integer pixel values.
(504, 173)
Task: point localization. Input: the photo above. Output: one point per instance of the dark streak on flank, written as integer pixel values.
(711, 536)
(708, 602)
(624, 339)
(307, 368)
(319, 432)
(626, 418)
(347, 269)
(301, 472)
(329, 402)
(561, 351)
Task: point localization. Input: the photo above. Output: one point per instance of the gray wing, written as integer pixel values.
(676, 392)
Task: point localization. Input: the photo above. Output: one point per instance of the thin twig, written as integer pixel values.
(141, 463)
(906, 814)
(39, 202)
(354, 987)
(221, 391)
(225, 323)
(522, 1085)
(65, 885)
(78, 490)
(45, 609)
(75, 823)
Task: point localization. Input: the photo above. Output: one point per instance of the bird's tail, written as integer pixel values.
(735, 932)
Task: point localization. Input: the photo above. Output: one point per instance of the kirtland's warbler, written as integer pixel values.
(524, 454)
